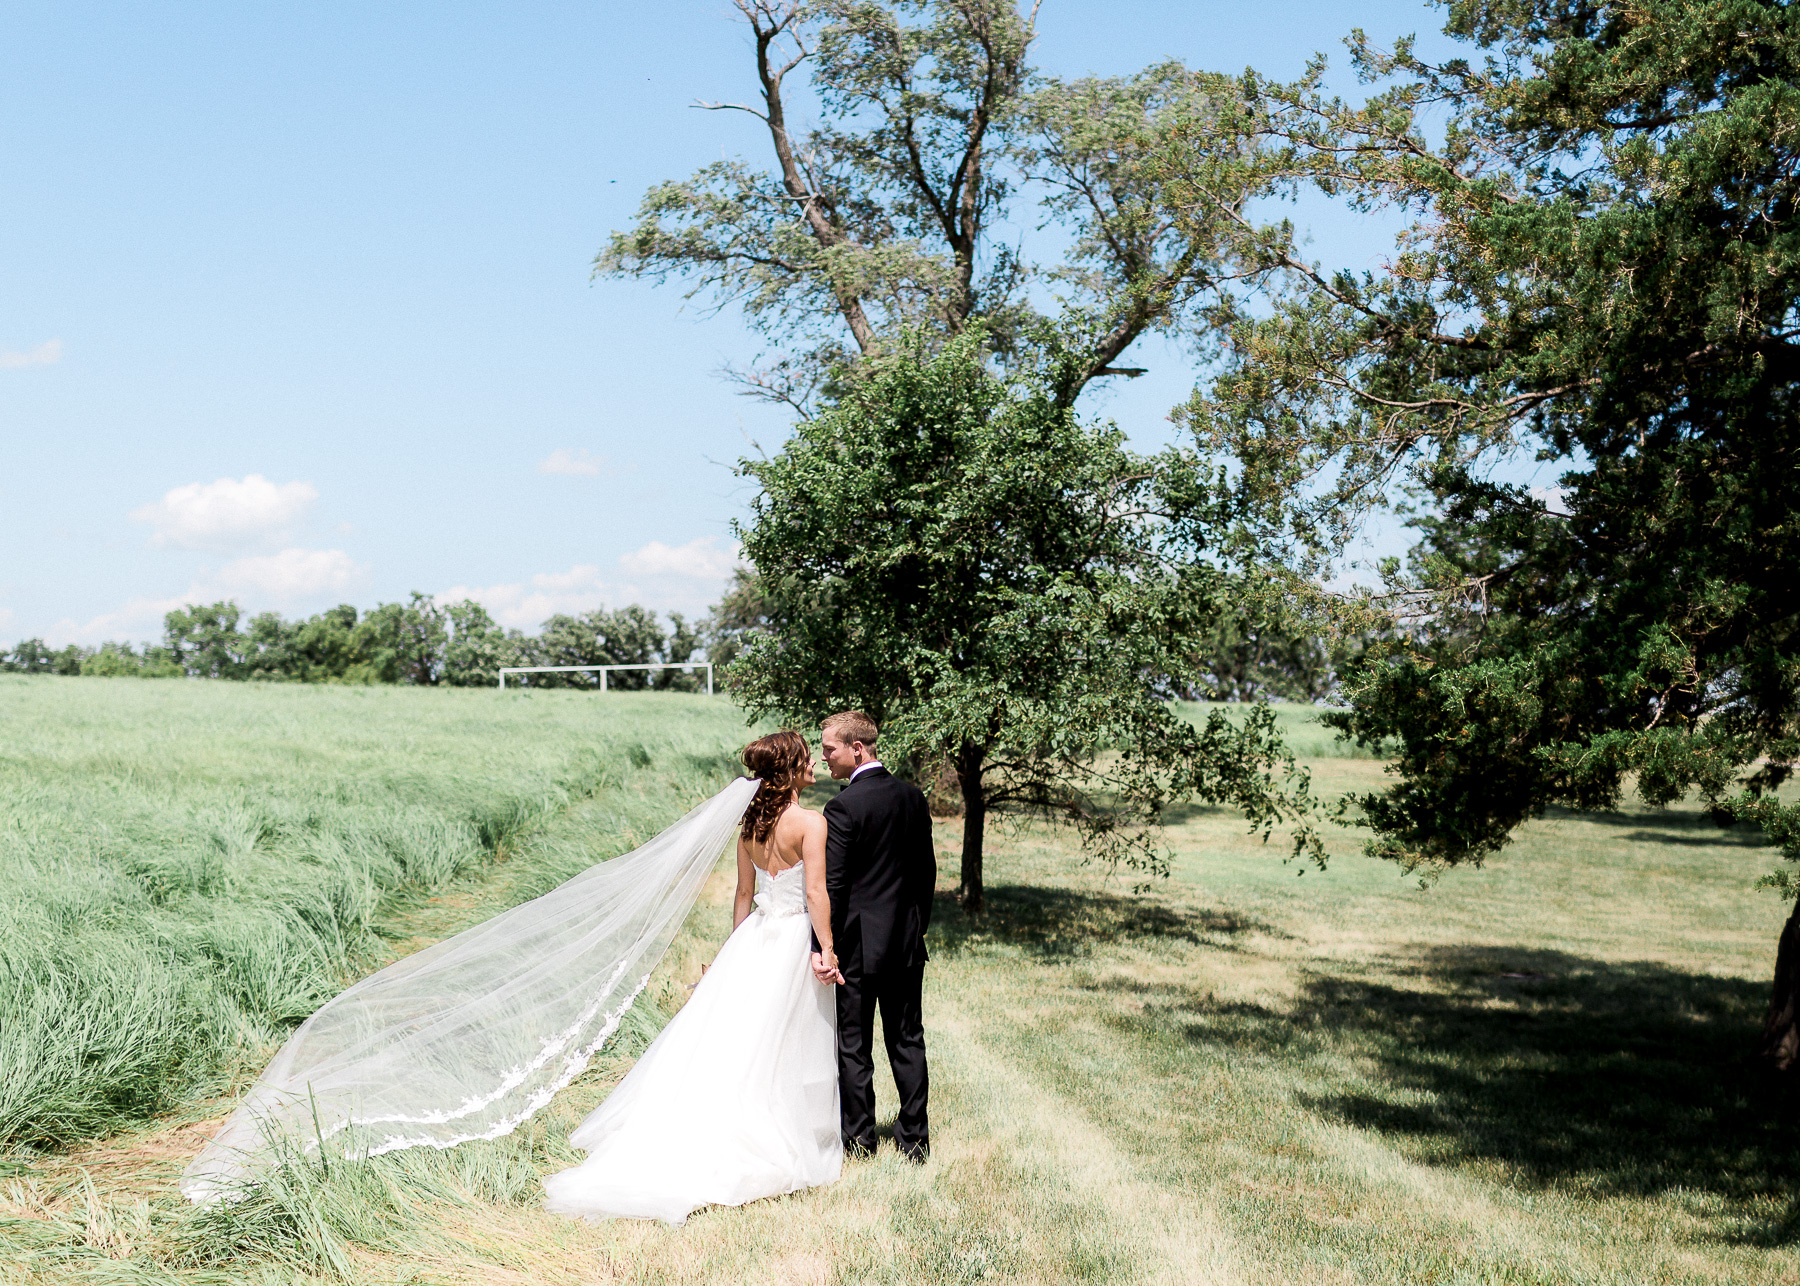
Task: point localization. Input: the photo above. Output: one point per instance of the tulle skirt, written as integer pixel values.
(735, 1100)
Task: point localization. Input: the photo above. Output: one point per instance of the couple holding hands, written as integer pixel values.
(765, 1078)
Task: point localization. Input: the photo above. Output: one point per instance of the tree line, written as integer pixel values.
(460, 645)
(420, 641)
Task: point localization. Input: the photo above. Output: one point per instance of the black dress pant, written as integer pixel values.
(897, 993)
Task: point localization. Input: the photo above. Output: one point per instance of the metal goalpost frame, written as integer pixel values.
(604, 669)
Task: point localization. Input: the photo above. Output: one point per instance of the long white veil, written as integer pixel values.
(469, 1037)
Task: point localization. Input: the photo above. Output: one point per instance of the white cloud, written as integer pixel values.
(526, 605)
(293, 575)
(683, 578)
(227, 514)
(581, 579)
(48, 353)
(141, 618)
(579, 462)
(700, 558)
(286, 580)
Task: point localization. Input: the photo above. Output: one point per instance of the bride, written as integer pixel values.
(737, 1099)
(469, 1038)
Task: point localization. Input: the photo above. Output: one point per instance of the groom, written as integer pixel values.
(880, 871)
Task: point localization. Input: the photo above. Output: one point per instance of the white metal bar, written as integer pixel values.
(606, 669)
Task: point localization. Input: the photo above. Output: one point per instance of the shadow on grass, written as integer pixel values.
(723, 763)
(1667, 826)
(1721, 839)
(1191, 810)
(1055, 923)
(1607, 1079)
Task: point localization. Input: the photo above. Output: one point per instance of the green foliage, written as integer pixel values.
(394, 643)
(740, 612)
(630, 636)
(475, 646)
(883, 219)
(121, 660)
(31, 656)
(109, 660)
(404, 642)
(205, 642)
(186, 870)
(961, 557)
(1257, 651)
(1605, 272)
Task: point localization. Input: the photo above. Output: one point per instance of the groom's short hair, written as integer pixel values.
(852, 726)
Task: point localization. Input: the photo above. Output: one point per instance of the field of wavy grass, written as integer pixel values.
(186, 869)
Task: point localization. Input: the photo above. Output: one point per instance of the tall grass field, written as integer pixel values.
(1537, 1072)
(186, 869)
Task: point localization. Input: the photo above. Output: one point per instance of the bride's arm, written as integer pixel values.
(818, 900)
(746, 889)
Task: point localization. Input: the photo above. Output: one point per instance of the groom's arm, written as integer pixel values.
(837, 864)
(925, 863)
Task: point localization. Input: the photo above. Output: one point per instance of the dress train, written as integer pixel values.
(737, 1098)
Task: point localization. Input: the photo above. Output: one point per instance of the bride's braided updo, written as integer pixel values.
(776, 760)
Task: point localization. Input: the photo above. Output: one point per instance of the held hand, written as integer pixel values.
(825, 968)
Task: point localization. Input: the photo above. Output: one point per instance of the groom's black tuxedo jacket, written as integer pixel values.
(880, 872)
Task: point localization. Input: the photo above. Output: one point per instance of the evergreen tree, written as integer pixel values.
(1605, 272)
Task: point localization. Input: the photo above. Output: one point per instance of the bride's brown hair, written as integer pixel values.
(776, 760)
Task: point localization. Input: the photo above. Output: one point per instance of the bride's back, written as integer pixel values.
(783, 849)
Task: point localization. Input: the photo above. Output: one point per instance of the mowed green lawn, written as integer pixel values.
(1537, 1072)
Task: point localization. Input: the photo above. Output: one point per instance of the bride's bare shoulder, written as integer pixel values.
(801, 820)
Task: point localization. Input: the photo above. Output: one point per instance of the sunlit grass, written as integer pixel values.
(1537, 1072)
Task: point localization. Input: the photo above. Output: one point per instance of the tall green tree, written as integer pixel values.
(204, 640)
(992, 580)
(320, 649)
(628, 636)
(891, 214)
(679, 645)
(477, 647)
(403, 642)
(1604, 273)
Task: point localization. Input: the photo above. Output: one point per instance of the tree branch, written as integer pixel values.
(769, 20)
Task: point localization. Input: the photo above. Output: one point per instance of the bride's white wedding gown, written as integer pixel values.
(737, 1098)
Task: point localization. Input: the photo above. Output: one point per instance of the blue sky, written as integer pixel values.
(295, 307)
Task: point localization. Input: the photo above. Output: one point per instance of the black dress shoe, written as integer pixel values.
(857, 1150)
(919, 1154)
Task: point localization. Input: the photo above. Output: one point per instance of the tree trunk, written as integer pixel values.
(968, 772)
(1781, 1030)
